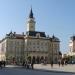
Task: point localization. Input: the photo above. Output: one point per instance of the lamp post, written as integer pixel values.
(52, 52)
(71, 60)
(27, 54)
(52, 55)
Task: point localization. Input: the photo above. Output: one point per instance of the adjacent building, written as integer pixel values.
(72, 44)
(30, 45)
(71, 52)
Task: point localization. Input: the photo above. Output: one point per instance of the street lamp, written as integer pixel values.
(71, 60)
(52, 54)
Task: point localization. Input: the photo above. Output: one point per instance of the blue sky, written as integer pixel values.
(52, 16)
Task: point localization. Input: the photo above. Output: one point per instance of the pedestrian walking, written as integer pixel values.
(23, 63)
(59, 62)
(51, 64)
(32, 65)
(62, 62)
(4, 62)
(1, 64)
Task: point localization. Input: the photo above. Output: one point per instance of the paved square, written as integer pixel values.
(23, 71)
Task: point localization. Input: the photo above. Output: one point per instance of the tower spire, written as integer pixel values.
(31, 22)
(31, 13)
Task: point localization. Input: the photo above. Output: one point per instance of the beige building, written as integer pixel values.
(72, 45)
(33, 45)
(71, 52)
(12, 47)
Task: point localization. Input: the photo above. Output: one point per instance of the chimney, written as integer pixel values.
(22, 33)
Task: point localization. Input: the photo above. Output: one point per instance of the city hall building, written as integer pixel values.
(30, 45)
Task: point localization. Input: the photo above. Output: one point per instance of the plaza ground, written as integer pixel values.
(39, 69)
(65, 68)
(23, 71)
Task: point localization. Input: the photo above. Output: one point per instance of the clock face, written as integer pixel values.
(31, 26)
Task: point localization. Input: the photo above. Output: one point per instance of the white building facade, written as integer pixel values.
(33, 45)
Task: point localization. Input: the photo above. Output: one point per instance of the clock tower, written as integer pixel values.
(31, 22)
